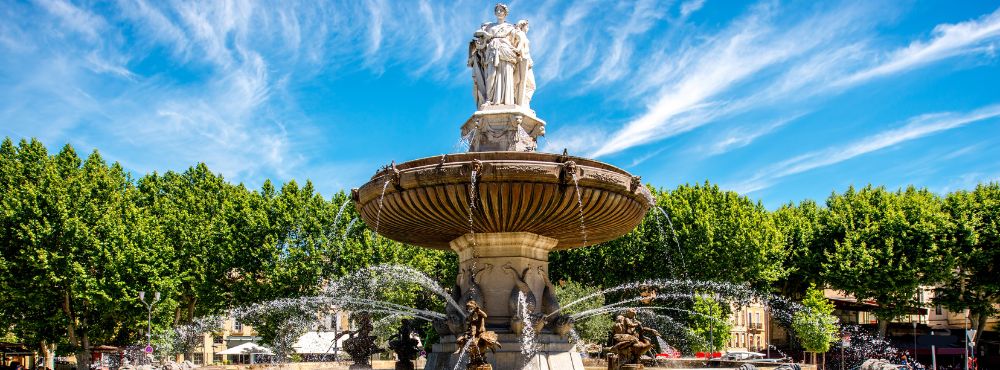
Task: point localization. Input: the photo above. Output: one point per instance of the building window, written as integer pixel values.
(937, 310)
(199, 358)
(217, 339)
(218, 359)
(237, 326)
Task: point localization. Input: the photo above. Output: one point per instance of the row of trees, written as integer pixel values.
(873, 243)
(80, 237)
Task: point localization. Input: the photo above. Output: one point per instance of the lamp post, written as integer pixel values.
(915, 341)
(149, 314)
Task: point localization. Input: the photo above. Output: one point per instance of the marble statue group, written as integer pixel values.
(500, 58)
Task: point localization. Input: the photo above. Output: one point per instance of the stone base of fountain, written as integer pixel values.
(553, 354)
(503, 128)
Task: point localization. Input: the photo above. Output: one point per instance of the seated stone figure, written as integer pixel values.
(630, 341)
(477, 338)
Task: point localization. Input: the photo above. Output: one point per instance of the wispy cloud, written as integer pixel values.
(738, 55)
(949, 40)
(917, 127)
(691, 6)
(741, 136)
(759, 63)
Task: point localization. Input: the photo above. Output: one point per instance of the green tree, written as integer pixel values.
(726, 235)
(710, 322)
(76, 242)
(976, 234)
(801, 228)
(815, 327)
(896, 241)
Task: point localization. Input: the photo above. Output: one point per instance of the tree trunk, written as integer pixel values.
(48, 353)
(83, 353)
(71, 327)
(190, 309)
(883, 326)
(980, 325)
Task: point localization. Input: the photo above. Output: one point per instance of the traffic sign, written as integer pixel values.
(149, 349)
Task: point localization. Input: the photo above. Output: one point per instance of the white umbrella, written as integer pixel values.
(314, 342)
(248, 348)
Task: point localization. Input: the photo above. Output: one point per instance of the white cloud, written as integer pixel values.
(758, 63)
(917, 127)
(741, 136)
(691, 6)
(740, 54)
(949, 40)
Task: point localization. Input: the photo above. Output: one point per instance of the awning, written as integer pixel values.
(246, 349)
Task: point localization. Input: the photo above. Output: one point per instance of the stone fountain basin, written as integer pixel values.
(426, 201)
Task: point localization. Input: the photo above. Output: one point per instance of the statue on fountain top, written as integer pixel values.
(501, 63)
(477, 339)
(503, 83)
(631, 341)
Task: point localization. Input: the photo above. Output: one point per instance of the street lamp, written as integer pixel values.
(149, 314)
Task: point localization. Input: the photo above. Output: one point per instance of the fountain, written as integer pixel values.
(631, 341)
(503, 207)
(406, 345)
(360, 344)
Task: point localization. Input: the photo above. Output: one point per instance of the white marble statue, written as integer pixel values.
(501, 63)
(526, 74)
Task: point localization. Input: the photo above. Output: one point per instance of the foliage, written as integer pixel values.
(729, 237)
(815, 326)
(710, 323)
(594, 329)
(801, 227)
(976, 233)
(896, 241)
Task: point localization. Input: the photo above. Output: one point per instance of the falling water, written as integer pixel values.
(462, 358)
(378, 215)
(528, 345)
(465, 142)
(343, 206)
(673, 234)
(579, 202)
(472, 229)
(347, 230)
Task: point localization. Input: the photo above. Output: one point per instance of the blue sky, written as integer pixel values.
(777, 100)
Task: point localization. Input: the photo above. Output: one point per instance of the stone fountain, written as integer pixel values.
(503, 207)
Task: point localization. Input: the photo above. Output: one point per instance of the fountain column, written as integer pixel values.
(505, 263)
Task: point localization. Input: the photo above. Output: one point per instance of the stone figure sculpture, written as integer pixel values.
(406, 344)
(630, 341)
(518, 306)
(477, 340)
(360, 344)
(526, 73)
(501, 63)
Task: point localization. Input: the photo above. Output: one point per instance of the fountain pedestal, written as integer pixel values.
(509, 267)
(503, 128)
(504, 264)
